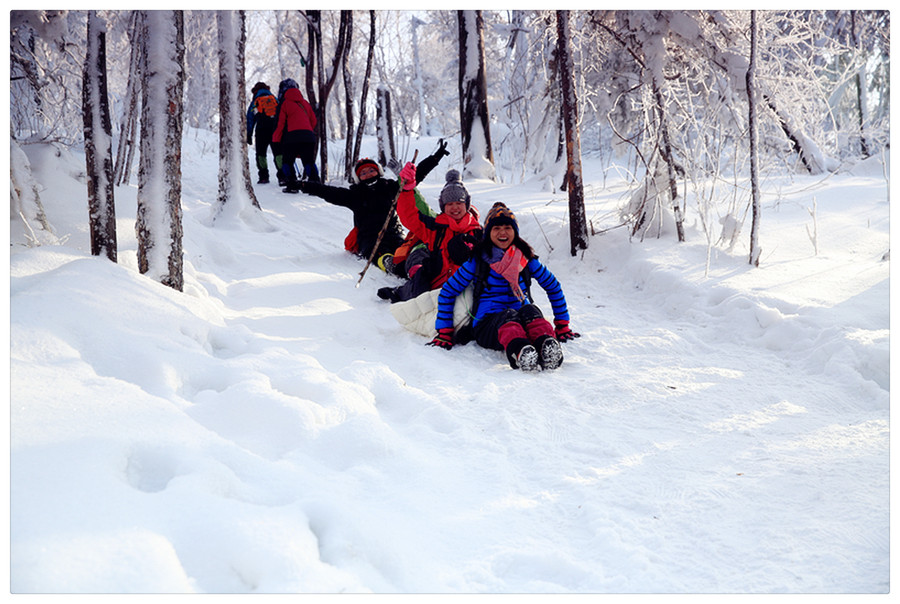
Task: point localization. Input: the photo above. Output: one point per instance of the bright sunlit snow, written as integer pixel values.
(717, 428)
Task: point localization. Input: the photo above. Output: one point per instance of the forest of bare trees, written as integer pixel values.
(662, 92)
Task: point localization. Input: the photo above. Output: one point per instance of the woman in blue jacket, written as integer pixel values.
(505, 318)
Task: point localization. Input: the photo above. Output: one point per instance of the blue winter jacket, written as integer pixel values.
(497, 294)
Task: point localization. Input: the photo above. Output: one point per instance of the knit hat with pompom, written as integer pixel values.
(498, 215)
(454, 190)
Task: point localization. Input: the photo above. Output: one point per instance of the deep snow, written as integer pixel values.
(273, 429)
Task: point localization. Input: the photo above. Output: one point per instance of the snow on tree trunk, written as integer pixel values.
(25, 200)
(424, 128)
(578, 235)
(98, 142)
(159, 230)
(669, 158)
(384, 125)
(478, 158)
(236, 194)
(754, 140)
(128, 125)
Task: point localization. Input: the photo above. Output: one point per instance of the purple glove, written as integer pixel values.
(408, 176)
(444, 338)
(563, 333)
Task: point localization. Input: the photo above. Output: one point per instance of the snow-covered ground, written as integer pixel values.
(717, 428)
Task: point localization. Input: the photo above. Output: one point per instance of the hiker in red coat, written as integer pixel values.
(448, 237)
(296, 132)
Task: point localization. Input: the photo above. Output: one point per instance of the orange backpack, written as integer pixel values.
(266, 104)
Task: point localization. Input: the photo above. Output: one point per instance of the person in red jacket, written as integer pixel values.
(448, 237)
(296, 132)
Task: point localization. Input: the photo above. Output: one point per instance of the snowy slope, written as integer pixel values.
(717, 428)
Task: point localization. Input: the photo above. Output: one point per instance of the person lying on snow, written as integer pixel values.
(370, 198)
(448, 237)
(505, 318)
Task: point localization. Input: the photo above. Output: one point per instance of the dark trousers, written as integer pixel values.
(301, 144)
(264, 129)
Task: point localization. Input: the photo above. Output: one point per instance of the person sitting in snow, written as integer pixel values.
(295, 131)
(370, 198)
(448, 237)
(261, 116)
(505, 317)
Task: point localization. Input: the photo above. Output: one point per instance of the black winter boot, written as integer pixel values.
(522, 355)
(549, 352)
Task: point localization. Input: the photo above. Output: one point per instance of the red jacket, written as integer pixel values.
(295, 113)
(440, 230)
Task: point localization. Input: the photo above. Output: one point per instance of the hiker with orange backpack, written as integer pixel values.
(261, 116)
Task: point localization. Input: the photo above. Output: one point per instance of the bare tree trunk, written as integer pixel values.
(348, 102)
(478, 157)
(234, 169)
(325, 84)
(129, 124)
(860, 90)
(384, 126)
(159, 229)
(365, 89)
(754, 139)
(98, 142)
(313, 48)
(574, 184)
(669, 158)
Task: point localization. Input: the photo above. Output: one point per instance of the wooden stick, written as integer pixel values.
(387, 221)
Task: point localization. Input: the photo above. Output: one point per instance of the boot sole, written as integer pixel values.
(528, 359)
(551, 354)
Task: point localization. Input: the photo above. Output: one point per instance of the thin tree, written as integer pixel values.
(360, 130)
(668, 156)
(98, 141)
(578, 234)
(348, 102)
(128, 127)
(478, 157)
(754, 140)
(325, 84)
(159, 229)
(384, 125)
(234, 169)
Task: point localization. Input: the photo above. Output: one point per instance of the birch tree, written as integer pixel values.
(234, 169)
(159, 229)
(574, 185)
(754, 138)
(98, 142)
(478, 158)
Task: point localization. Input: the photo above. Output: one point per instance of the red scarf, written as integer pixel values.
(509, 267)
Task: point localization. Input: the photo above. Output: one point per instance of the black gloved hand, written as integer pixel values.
(459, 248)
(442, 148)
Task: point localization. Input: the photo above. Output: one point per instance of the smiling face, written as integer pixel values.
(366, 172)
(455, 209)
(502, 235)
